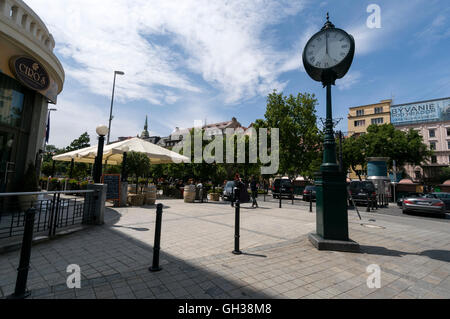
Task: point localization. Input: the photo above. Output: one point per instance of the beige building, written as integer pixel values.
(361, 117)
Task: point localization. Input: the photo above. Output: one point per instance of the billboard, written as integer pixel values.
(419, 112)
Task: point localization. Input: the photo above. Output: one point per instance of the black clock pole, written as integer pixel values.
(331, 187)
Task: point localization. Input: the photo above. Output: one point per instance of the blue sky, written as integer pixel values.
(212, 60)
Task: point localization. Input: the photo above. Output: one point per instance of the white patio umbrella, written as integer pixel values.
(113, 153)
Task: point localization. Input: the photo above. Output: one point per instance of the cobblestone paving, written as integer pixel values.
(278, 260)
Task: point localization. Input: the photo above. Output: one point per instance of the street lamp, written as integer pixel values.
(112, 102)
(101, 130)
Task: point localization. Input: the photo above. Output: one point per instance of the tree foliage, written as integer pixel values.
(138, 164)
(385, 141)
(300, 138)
(79, 143)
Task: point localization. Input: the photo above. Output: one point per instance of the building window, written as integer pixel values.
(359, 112)
(448, 145)
(448, 131)
(433, 146)
(432, 133)
(378, 110)
(360, 123)
(433, 159)
(11, 102)
(377, 120)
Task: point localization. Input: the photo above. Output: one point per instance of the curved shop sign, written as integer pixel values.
(30, 72)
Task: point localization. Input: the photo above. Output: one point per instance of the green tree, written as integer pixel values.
(138, 165)
(353, 154)
(79, 143)
(403, 147)
(385, 141)
(300, 138)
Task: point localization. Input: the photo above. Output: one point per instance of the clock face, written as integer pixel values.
(328, 48)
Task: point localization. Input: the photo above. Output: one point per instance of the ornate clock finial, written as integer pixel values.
(328, 24)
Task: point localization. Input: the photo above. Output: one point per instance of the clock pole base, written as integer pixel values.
(334, 245)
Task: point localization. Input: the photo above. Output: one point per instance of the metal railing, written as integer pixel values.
(54, 211)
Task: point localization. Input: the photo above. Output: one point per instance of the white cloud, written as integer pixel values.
(75, 118)
(159, 44)
(348, 80)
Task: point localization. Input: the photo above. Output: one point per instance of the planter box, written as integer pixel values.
(136, 199)
(214, 197)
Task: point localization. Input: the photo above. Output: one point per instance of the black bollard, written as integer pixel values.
(292, 197)
(279, 196)
(368, 203)
(156, 247)
(25, 254)
(236, 250)
(310, 202)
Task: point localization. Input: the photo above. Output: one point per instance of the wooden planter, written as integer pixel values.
(136, 199)
(149, 195)
(189, 193)
(215, 197)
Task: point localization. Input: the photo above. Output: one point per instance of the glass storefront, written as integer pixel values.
(13, 127)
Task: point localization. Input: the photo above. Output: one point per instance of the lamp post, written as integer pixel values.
(47, 136)
(112, 102)
(101, 130)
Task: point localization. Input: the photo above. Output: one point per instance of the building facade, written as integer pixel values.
(31, 77)
(361, 117)
(210, 129)
(432, 121)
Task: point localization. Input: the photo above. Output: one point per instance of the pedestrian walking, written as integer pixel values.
(254, 190)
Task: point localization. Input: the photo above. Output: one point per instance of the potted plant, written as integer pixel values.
(214, 195)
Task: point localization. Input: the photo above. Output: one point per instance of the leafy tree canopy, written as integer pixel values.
(300, 138)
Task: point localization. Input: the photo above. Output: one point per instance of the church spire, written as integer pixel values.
(145, 134)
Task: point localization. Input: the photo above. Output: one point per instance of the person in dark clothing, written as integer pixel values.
(254, 190)
(236, 193)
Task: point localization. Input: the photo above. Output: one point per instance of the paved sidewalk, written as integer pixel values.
(279, 261)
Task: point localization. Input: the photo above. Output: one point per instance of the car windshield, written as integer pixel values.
(286, 183)
(310, 188)
(230, 184)
(365, 186)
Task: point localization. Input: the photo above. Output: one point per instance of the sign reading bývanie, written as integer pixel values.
(113, 189)
(426, 111)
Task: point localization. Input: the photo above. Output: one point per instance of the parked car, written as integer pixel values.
(309, 193)
(445, 197)
(361, 191)
(426, 204)
(228, 191)
(412, 195)
(283, 188)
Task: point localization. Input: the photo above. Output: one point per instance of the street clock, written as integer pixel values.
(329, 54)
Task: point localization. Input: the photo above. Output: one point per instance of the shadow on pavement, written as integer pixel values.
(437, 254)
